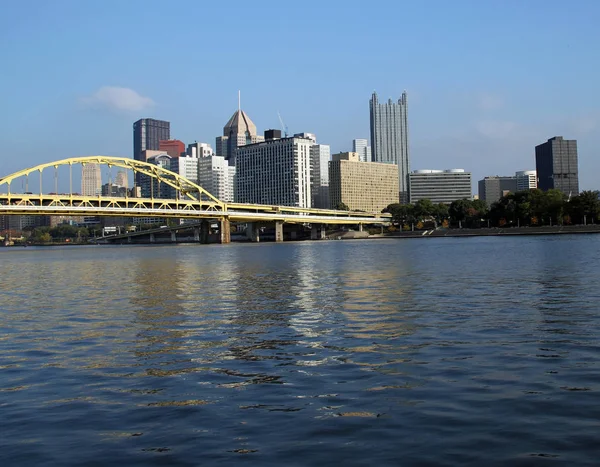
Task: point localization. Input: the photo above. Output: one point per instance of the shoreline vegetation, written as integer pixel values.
(529, 212)
(440, 232)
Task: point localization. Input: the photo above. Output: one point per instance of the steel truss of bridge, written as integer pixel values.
(193, 201)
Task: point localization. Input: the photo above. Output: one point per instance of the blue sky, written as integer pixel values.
(486, 80)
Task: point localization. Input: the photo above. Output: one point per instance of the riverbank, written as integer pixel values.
(484, 232)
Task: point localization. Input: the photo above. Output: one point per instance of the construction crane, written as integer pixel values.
(284, 127)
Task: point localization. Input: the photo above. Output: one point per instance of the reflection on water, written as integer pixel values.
(440, 351)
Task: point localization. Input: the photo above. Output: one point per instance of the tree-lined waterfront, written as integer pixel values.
(523, 208)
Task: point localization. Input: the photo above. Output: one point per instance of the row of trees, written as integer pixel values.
(536, 207)
(60, 233)
(530, 207)
(71, 233)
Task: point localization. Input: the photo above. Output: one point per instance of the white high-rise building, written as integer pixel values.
(276, 171)
(362, 148)
(526, 180)
(217, 177)
(199, 150)
(186, 167)
(319, 174)
(91, 180)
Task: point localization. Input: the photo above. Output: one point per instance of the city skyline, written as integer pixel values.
(476, 102)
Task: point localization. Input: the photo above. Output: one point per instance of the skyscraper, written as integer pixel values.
(121, 179)
(238, 131)
(276, 171)
(147, 134)
(319, 175)
(556, 165)
(91, 180)
(217, 177)
(361, 146)
(389, 137)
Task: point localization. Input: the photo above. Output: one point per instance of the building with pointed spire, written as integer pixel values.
(238, 131)
(389, 137)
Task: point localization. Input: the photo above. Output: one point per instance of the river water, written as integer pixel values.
(470, 351)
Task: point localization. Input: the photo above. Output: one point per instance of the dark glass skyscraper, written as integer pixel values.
(147, 134)
(556, 165)
(389, 137)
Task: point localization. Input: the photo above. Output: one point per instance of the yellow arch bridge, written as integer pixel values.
(188, 201)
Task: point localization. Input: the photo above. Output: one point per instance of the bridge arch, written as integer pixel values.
(186, 188)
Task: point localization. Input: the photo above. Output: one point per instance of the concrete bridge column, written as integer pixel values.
(314, 232)
(196, 234)
(152, 238)
(225, 231)
(253, 231)
(204, 227)
(279, 231)
(360, 227)
(174, 236)
(323, 231)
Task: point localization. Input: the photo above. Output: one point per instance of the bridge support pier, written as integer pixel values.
(204, 232)
(360, 227)
(152, 238)
(174, 236)
(253, 232)
(279, 231)
(323, 231)
(225, 231)
(196, 234)
(314, 232)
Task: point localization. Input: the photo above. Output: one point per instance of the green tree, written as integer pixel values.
(44, 237)
(590, 205)
(459, 210)
(441, 212)
(342, 207)
(423, 208)
(401, 213)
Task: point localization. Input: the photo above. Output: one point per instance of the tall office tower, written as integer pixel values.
(147, 134)
(121, 179)
(173, 147)
(364, 186)
(556, 165)
(361, 146)
(526, 180)
(275, 171)
(91, 180)
(491, 189)
(199, 150)
(439, 186)
(238, 131)
(319, 175)
(150, 188)
(217, 177)
(389, 138)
